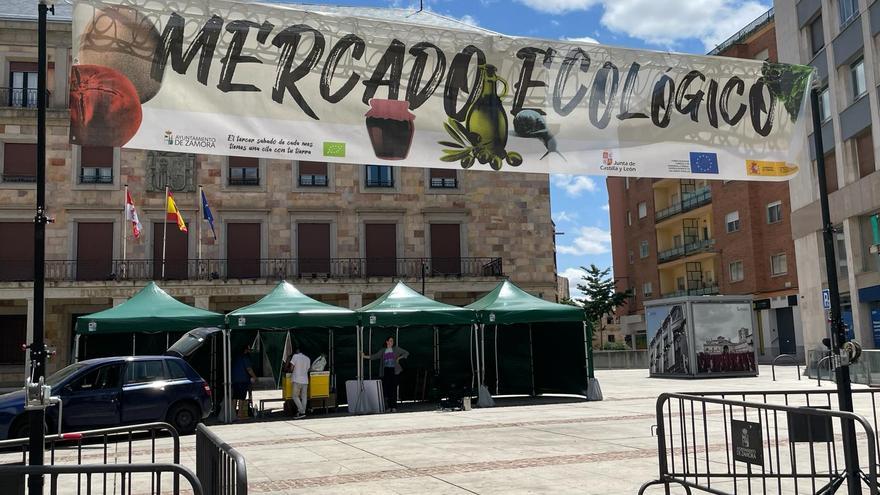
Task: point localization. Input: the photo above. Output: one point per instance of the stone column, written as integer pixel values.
(59, 96)
(355, 300)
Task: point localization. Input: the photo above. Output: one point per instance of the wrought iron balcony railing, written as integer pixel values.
(18, 97)
(700, 289)
(692, 201)
(686, 250)
(273, 269)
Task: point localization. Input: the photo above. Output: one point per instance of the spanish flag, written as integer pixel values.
(173, 214)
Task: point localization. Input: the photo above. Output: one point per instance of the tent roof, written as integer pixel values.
(402, 306)
(150, 310)
(510, 304)
(287, 307)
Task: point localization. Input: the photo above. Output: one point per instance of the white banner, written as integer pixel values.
(226, 78)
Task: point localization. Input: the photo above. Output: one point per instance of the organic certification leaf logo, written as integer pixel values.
(334, 149)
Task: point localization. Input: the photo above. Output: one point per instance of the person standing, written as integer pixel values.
(301, 364)
(390, 369)
(243, 377)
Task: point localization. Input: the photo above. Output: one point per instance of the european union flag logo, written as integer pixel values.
(704, 163)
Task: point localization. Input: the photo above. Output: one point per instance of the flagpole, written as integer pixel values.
(123, 268)
(199, 225)
(164, 231)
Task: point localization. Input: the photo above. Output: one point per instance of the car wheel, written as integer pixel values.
(184, 418)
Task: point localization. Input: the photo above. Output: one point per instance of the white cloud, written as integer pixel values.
(605, 207)
(469, 20)
(558, 6)
(588, 240)
(583, 39)
(573, 275)
(564, 216)
(710, 21)
(573, 185)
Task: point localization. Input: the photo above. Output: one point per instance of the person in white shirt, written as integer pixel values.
(301, 364)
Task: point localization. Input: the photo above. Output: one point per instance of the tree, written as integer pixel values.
(601, 298)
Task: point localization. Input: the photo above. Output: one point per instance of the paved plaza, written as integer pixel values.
(570, 447)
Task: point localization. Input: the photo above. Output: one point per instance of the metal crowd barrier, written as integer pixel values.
(785, 442)
(123, 451)
(220, 468)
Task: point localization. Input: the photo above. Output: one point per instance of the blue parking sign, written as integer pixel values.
(826, 299)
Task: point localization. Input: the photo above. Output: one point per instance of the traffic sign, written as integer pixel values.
(826, 299)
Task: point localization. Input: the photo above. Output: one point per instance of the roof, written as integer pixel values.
(742, 34)
(286, 307)
(508, 304)
(113, 359)
(150, 310)
(402, 306)
(27, 10)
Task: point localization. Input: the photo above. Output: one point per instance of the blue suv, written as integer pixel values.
(112, 391)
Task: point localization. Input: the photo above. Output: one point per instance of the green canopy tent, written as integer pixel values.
(151, 310)
(149, 313)
(424, 321)
(316, 326)
(539, 346)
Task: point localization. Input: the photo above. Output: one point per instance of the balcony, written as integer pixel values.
(701, 289)
(271, 269)
(313, 181)
(686, 250)
(19, 178)
(101, 176)
(18, 98)
(692, 201)
(444, 183)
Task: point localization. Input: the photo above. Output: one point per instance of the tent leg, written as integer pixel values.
(227, 386)
(531, 361)
(594, 391)
(474, 376)
(76, 348)
(370, 352)
(497, 374)
(133, 341)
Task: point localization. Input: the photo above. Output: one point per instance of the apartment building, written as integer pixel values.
(839, 39)
(698, 237)
(341, 233)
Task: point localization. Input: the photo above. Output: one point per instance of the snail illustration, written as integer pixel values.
(530, 123)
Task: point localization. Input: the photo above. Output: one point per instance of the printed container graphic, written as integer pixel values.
(391, 128)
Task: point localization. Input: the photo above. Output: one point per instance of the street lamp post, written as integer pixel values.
(838, 331)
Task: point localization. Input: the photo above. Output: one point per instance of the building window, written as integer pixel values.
(774, 212)
(96, 165)
(732, 221)
(611, 338)
(17, 258)
(680, 284)
(312, 174)
(174, 249)
(243, 250)
(380, 249)
(380, 176)
(824, 104)
(865, 153)
(647, 289)
(848, 10)
(643, 209)
(631, 257)
(870, 235)
(313, 248)
(736, 271)
(23, 82)
(629, 218)
(831, 172)
(778, 264)
(244, 171)
(443, 178)
(445, 249)
(643, 249)
(19, 162)
(94, 251)
(817, 36)
(13, 336)
(857, 75)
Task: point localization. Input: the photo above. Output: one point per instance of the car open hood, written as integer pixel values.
(191, 341)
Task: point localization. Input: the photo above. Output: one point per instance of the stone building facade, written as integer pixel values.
(487, 225)
(673, 238)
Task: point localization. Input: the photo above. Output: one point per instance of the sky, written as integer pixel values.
(580, 203)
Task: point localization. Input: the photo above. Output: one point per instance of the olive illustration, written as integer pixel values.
(514, 159)
(467, 162)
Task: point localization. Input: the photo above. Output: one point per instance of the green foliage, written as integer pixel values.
(601, 297)
(614, 346)
(569, 302)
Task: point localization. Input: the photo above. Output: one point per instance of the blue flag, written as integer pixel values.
(704, 163)
(207, 214)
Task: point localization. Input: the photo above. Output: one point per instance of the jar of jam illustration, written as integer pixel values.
(391, 128)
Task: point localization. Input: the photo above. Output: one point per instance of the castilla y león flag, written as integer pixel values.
(417, 90)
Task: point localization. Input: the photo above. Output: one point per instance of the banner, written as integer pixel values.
(226, 78)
